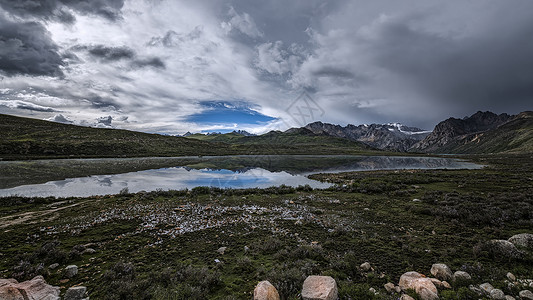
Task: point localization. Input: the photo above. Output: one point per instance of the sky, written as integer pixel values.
(169, 66)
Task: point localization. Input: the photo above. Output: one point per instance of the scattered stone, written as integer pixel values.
(246, 249)
(507, 297)
(53, 266)
(441, 271)
(221, 250)
(417, 200)
(503, 248)
(71, 271)
(475, 290)
(511, 276)
(264, 290)
(75, 293)
(423, 286)
(372, 290)
(88, 251)
(446, 285)
(497, 294)
(461, 276)
(398, 289)
(406, 297)
(389, 287)
(526, 295)
(63, 281)
(365, 267)
(522, 240)
(37, 288)
(486, 288)
(319, 288)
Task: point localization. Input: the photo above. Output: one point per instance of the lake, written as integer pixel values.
(225, 172)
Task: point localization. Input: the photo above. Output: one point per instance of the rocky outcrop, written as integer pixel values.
(319, 288)
(522, 240)
(526, 295)
(423, 286)
(264, 290)
(37, 288)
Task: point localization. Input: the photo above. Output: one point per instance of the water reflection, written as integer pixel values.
(288, 170)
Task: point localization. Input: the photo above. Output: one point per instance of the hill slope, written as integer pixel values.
(483, 132)
(37, 138)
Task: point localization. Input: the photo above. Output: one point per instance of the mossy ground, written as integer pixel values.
(163, 245)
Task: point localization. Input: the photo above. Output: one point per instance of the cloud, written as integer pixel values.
(26, 48)
(109, 53)
(273, 58)
(59, 118)
(154, 62)
(18, 104)
(61, 10)
(242, 23)
(106, 121)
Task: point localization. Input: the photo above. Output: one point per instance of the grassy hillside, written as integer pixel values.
(22, 138)
(515, 136)
(37, 138)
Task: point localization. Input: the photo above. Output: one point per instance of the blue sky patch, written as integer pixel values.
(224, 112)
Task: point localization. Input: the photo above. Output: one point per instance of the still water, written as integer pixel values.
(253, 172)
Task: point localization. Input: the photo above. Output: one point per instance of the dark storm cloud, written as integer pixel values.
(105, 120)
(58, 10)
(154, 62)
(111, 53)
(26, 48)
(492, 69)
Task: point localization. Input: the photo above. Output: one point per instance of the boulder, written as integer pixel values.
(522, 240)
(221, 250)
(8, 292)
(264, 290)
(511, 276)
(8, 281)
(461, 276)
(507, 297)
(504, 249)
(497, 294)
(406, 297)
(53, 266)
(526, 295)
(423, 286)
(446, 285)
(441, 271)
(486, 288)
(71, 271)
(37, 288)
(88, 251)
(319, 288)
(365, 267)
(476, 290)
(75, 293)
(389, 287)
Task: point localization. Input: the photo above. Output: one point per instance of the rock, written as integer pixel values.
(389, 287)
(9, 292)
(486, 288)
(319, 288)
(71, 271)
(497, 294)
(7, 281)
(423, 286)
(51, 297)
(504, 249)
(264, 290)
(37, 288)
(511, 276)
(53, 266)
(417, 200)
(522, 240)
(446, 285)
(441, 271)
(507, 297)
(437, 283)
(372, 290)
(246, 249)
(461, 276)
(221, 250)
(397, 289)
(406, 297)
(88, 251)
(526, 295)
(475, 290)
(365, 267)
(75, 293)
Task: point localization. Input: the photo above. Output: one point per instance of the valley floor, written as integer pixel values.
(163, 245)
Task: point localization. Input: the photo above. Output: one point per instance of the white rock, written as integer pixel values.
(507, 297)
(526, 295)
(423, 286)
(406, 297)
(462, 276)
(71, 271)
(389, 287)
(221, 250)
(365, 267)
(486, 288)
(319, 288)
(75, 293)
(511, 276)
(497, 294)
(522, 240)
(441, 271)
(264, 290)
